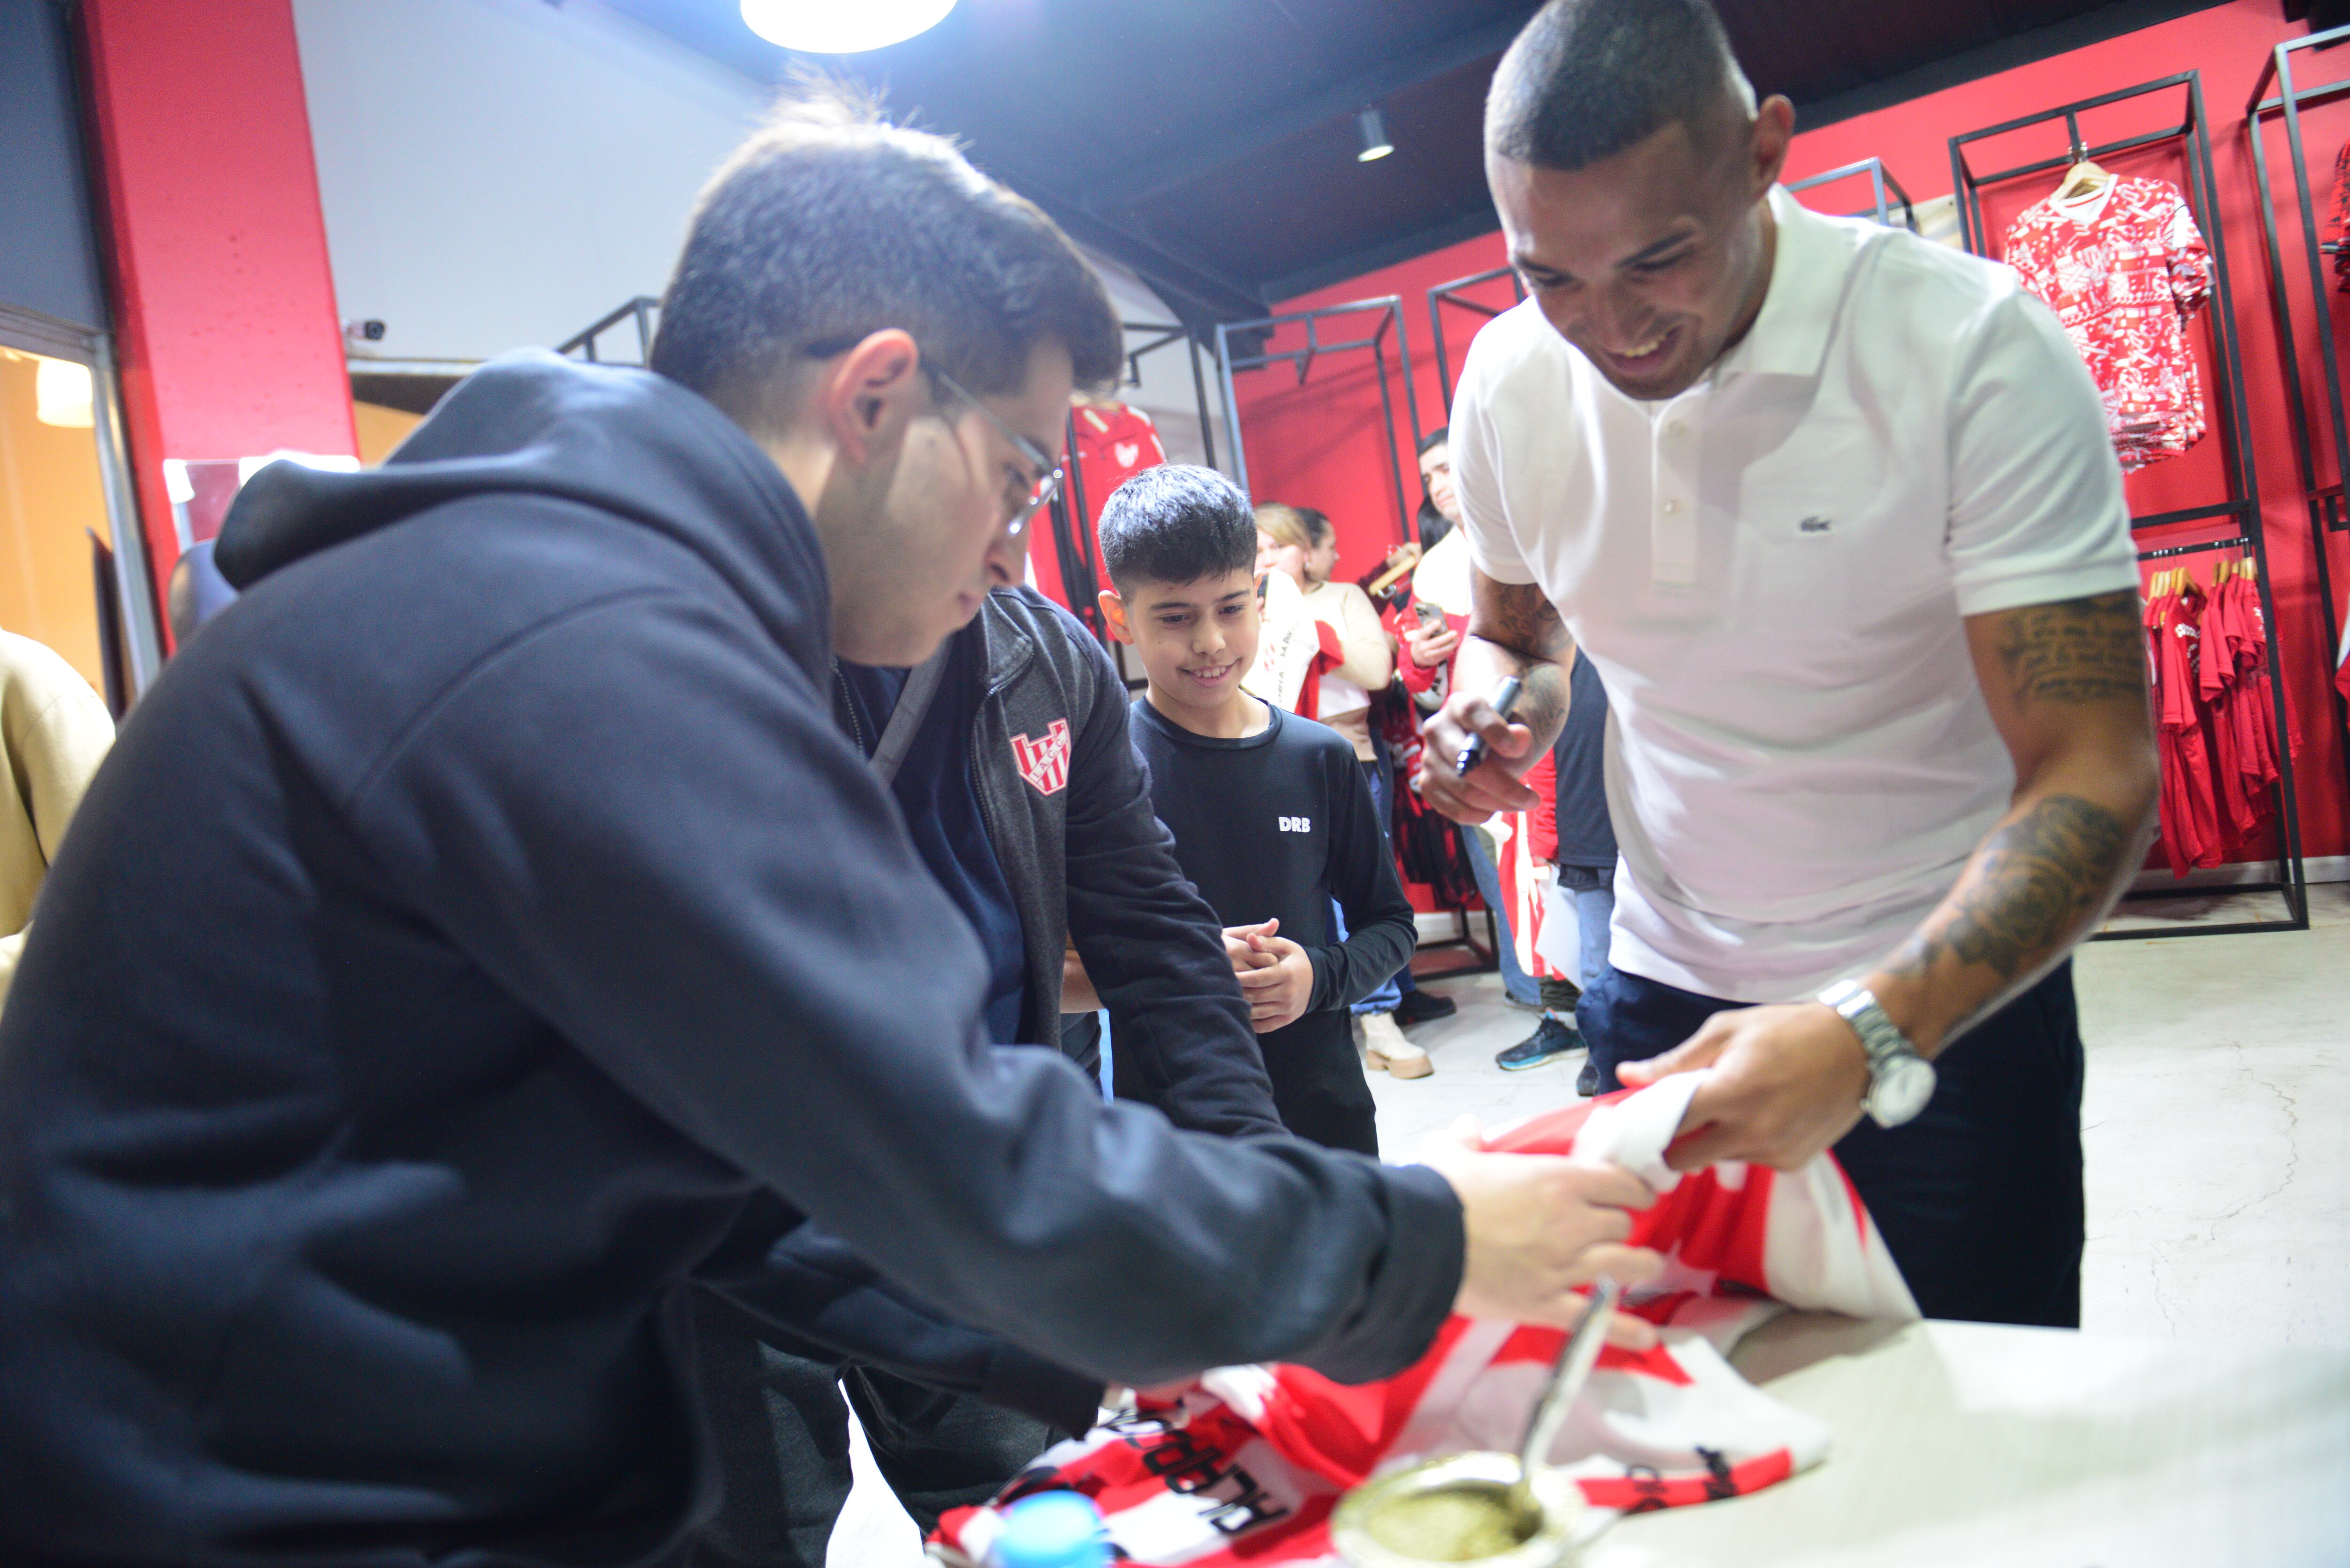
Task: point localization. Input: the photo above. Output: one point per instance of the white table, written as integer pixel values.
(2022, 1448)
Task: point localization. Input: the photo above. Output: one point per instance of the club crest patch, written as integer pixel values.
(1044, 764)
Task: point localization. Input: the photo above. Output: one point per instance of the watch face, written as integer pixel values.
(1903, 1086)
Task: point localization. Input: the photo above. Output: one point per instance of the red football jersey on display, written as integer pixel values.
(2123, 268)
(1113, 443)
(2191, 819)
(2225, 719)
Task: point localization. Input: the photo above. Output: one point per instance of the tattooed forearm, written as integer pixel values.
(2081, 650)
(1514, 629)
(2028, 892)
(1518, 617)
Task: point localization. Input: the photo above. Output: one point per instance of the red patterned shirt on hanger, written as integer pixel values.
(2124, 266)
(2337, 224)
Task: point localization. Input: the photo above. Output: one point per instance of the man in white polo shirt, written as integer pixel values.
(1833, 514)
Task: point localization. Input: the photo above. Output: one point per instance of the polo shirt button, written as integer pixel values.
(1677, 429)
(1671, 506)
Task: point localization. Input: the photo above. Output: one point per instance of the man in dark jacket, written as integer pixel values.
(1008, 754)
(483, 931)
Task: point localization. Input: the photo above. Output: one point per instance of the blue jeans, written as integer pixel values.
(1389, 995)
(1980, 1197)
(1593, 889)
(1516, 981)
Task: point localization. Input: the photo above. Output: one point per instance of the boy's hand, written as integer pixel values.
(1077, 993)
(1278, 982)
(1243, 957)
(1539, 1226)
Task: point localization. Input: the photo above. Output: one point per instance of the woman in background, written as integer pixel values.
(1431, 634)
(1300, 543)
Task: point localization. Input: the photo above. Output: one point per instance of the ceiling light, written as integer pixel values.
(833, 27)
(1373, 126)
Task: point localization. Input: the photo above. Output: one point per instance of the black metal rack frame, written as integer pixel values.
(2328, 513)
(1233, 358)
(1074, 540)
(638, 310)
(2243, 502)
(1880, 183)
(1456, 294)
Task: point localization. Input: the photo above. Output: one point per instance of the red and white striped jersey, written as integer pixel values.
(1247, 1466)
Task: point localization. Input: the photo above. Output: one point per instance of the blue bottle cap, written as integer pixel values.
(1052, 1530)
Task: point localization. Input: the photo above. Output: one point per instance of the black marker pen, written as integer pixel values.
(1475, 752)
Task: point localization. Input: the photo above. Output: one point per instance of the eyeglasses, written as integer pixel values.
(1047, 487)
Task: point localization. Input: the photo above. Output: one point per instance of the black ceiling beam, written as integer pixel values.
(1129, 186)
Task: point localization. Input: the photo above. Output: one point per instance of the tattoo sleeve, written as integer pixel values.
(1521, 624)
(2081, 650)
(2066, 682)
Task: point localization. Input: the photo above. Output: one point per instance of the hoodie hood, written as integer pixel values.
(625, 442)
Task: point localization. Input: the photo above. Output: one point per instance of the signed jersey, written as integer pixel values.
(1244, 1467)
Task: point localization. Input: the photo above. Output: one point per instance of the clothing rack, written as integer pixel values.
(1456, 294)
(2239, 540)
(2328, 513)
(2243, 505)
(1240, 346)
(1881, 183)
(1073, 538)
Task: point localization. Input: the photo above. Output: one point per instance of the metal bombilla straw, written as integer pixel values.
(1576, 1359)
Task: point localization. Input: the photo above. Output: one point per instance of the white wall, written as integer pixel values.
(498, 173)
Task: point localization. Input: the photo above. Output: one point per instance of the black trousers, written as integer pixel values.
(1980, 1197)
(782, 1435)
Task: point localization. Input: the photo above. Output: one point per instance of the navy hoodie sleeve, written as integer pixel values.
(1380, 930)
(1150, 944)
(639, 819)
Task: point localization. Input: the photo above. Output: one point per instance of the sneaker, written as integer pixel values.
(1550, 1040)
(1385, 1050)
(1423, 1007)
(1586, 1082)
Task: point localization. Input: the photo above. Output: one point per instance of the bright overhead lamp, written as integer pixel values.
(62, 394)
(833, 27)
(1373, 127)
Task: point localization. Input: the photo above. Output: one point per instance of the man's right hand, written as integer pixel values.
(1492, 784)
(1539, 1225)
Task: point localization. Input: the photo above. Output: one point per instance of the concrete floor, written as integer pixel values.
(2216, 1124)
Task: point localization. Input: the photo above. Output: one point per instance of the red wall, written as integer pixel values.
(1318, 445)
(226, 329)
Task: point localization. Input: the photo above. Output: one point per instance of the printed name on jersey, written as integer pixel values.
(1044, 764)
(1296, 824)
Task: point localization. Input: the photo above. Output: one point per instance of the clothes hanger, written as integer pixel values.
(2083, 178)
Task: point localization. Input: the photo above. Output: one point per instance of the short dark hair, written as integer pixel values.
(1176, 524)
(1440, 436)
(1587, 79)
(830, 223)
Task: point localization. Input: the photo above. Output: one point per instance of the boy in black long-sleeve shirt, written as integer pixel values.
(1271, 816)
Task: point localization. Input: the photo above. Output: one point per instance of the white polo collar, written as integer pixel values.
(1790, 335)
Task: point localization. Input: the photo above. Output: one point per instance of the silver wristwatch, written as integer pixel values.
(1900, 1081)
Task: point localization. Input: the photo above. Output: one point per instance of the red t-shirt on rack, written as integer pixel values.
(2191, 819)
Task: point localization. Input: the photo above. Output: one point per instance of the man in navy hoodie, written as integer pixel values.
(482, 932)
